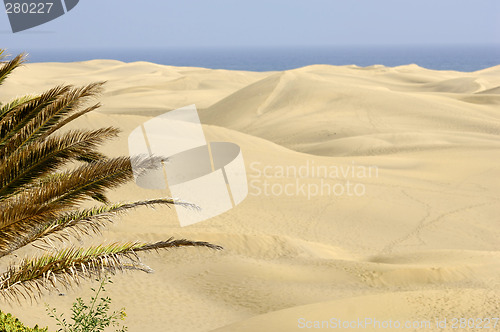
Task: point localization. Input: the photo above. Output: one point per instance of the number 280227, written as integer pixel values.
(28, 8)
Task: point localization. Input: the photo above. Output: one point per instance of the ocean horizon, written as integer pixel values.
(466, 58)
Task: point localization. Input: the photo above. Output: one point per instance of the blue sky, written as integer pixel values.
(229, 23)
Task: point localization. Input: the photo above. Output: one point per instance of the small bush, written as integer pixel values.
(9, 323)
(92, 317)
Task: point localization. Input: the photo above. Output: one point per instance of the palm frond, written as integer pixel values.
(70, 118)
(91, 220)
(28, 223)
(26, 165)
(42, 205)
(70, 224)
(6, 108)
(42, 117)
(7, 68)
(89, 180)
(17, 117)
(91, 157)
(56, 112)
(65, 267)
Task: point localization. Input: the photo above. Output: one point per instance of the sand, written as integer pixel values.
(417, 242)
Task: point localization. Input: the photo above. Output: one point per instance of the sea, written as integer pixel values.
(466, 58)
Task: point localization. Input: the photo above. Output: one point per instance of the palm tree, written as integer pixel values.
(41, 190)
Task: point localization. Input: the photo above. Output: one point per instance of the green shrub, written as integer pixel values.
(9, 323)
(92, 317)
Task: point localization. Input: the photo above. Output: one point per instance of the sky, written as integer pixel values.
(261, 23)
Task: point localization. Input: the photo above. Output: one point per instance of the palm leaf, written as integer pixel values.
(32, 275)
(44, 204)
(48, 119)
(56, 112)
(6, 108)
(8, 67)
(92, 220)
(44, 115)
(90, 180)
(70, 118)
(26, 165)
(74, 223)
(18, 117)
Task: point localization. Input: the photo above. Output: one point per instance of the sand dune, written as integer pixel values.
(419, 243)
(415, 311)
(329, 105)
